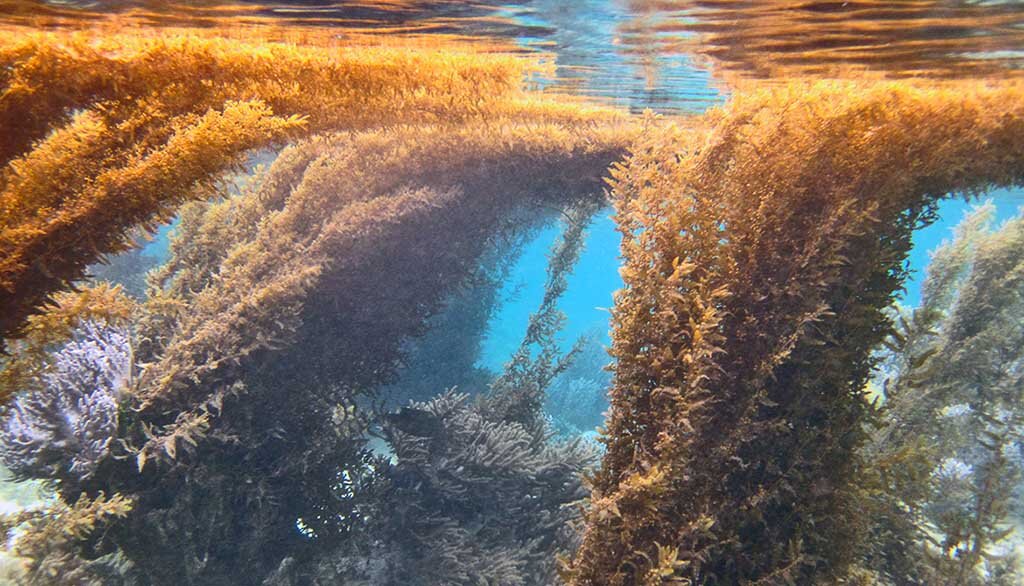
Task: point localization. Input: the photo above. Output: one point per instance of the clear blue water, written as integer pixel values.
(586, 302)
(1008, 203)
(589, 296)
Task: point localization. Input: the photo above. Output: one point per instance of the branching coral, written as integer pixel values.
(64, 429)
(471, 499)
(758, 259)
(27, 358)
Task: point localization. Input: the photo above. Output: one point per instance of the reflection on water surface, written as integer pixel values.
(669, 55)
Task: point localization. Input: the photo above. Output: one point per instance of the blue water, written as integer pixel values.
(586, 302)
(1008, 204)
(588, 298)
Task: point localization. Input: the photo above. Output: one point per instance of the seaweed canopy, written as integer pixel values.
(759, 256)
(104, 135)
(284, 307)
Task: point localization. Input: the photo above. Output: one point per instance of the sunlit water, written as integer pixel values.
(674, 57)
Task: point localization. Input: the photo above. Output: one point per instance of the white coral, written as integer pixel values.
(65, 429)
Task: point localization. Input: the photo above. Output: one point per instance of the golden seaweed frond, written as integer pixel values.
(47, 540)
(75, 197)
(760, 253)
(301, 241)
(106, 134)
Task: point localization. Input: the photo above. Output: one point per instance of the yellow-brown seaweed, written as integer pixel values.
(107, 134)
(759, 256)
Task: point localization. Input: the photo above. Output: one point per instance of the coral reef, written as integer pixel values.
(64, 429)
(468, 499)
(759, 257)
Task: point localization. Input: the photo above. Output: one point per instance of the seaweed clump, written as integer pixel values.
(252, 409)
(944, 450)
(108, 135)
(285, 306)
(70, 375)
(475, 491)
(29, 357)
(759, 258)
(57, 545)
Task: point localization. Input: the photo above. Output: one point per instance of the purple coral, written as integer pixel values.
(63, 430)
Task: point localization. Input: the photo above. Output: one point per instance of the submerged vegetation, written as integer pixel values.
(760, 256)
(948, 433)
(249, 417)
(104, 135)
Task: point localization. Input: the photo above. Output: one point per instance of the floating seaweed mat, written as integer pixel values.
(400, 23)
(107, 134)
(759, 256)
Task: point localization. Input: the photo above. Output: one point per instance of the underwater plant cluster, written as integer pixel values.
(273, 409)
